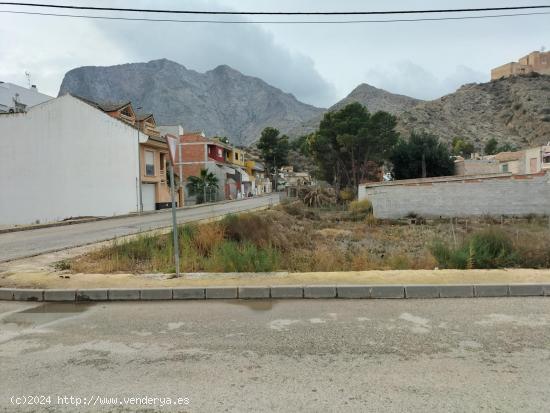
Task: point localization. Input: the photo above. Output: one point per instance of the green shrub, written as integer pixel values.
(489, 248)
(231, 256)
(347, 195)
(360, 210)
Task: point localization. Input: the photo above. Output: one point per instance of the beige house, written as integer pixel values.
(154, 159)
(535, 62)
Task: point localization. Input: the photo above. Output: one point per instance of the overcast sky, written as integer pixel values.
(319, 64)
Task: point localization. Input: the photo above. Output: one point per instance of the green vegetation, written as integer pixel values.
(492, 147)
(273, 149)
(423, 155)
(203, 186)
(489, 248)
(360, 210)
(351, 145)
(462, 147)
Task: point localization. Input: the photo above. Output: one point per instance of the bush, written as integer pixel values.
(490, 248)
(207, 237)
(231, 256)
(248, 227)
(360, 210)
(347, 195)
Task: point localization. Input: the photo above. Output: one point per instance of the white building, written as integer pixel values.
(14, 98)
(65, 158)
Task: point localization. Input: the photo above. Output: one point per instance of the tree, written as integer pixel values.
(462, 147)
(222, 139)
(273, 150)
(420, 157)
(491, 147)
(351, 144)
(202, 185)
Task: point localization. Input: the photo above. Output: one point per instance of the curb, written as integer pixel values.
(417, 291)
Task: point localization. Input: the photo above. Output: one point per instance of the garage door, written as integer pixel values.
(148, 196)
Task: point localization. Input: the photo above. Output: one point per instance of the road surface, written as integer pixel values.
(444, 355)
(33, 242)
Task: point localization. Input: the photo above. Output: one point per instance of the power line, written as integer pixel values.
(144, 19)
(256, 13)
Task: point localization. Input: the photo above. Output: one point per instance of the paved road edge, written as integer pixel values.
(416, 291)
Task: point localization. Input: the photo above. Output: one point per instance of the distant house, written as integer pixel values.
(16, 99)
(65, 158)
(526, 161)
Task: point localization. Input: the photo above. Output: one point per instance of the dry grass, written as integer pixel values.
(295, 238)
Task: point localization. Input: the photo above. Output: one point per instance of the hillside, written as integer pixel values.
(514, 110)
(221, 101)
(373, 98)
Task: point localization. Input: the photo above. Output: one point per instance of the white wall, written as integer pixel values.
(64, 158)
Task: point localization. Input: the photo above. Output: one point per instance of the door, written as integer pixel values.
(148, 196)
(533, 165)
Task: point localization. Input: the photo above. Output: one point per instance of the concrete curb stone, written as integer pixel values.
(189, 293)
(491, 290)
(28, 295)
(254, 292)
(287, 291)
(353, 291)
(387, 291)
(156, 294)
(278, 291)
(421, 291)
(60, 295)
(456, 291)
(319, 291)
(6, 294)
(525, 290)
(96, 294)
(123, 294)
(222, 292)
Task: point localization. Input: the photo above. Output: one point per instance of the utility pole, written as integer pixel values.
(139, 166)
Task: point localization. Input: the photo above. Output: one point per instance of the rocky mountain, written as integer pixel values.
(221, 102)
(373, 98)
(514, 110)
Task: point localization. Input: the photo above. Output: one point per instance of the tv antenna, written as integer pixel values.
(28, 75)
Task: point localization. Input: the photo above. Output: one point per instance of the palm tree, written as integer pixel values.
(200, 185)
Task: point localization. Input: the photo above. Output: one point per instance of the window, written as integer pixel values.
(149, 163)
(505, 167)
(546, 158)
(236, 156)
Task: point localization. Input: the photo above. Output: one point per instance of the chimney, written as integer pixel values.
(34, 88)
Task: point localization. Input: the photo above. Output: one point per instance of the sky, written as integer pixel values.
(319, 64)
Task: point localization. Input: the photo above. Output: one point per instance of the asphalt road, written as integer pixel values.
(444, 355)
(29, 243)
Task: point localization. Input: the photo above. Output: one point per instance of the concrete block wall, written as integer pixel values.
(461, 196)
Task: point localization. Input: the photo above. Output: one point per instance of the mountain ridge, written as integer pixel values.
(221, 101)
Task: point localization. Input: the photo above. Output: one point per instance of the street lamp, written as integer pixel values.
(140, 210)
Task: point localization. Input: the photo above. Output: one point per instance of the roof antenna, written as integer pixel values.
(28, 75)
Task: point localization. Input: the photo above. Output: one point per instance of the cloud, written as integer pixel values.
(247, 48)
(49, 46)
(408, 78)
